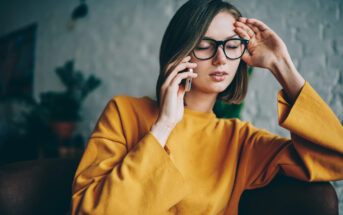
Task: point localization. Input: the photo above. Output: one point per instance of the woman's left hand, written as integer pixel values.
(265, 47)
(267, 50)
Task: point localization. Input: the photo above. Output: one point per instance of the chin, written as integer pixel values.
(210, 87)
(215, 89)
(220, 87)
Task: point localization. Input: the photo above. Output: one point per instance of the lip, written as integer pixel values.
(217, 78)
(218, 72)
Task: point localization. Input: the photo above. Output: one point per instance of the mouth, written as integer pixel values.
(218, 73)
(218, 76)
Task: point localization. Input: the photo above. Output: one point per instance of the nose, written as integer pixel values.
(219, 58)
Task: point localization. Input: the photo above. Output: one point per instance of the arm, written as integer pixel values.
(172, 99)
(314, 153)
(115, 179)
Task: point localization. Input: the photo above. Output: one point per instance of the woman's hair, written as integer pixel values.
(186, 29)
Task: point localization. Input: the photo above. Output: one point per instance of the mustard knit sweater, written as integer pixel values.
(207, 162)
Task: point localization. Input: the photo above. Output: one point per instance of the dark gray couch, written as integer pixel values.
(44, 187)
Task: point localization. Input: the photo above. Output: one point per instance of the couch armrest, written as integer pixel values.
(285, 196)
(37, 187)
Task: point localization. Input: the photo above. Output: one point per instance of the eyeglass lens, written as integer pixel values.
(207, 48)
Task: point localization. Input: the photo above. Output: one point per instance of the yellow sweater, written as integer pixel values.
(207, 163)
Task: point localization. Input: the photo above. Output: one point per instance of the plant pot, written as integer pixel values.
(64, 129)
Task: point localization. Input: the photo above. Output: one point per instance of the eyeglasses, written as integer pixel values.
(233, 48)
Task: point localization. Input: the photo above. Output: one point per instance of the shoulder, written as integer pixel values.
(233, 122)
(240, 127)
(133, 105)
(130, 100)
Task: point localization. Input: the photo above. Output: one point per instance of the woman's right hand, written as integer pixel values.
(172, 100)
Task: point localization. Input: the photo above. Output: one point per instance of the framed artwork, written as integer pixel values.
(17, 51)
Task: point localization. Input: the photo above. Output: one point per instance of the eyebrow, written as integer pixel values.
(229, 37)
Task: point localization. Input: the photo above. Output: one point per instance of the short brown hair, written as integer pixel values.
(185, 30)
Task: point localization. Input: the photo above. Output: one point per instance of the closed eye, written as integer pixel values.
(202, 48)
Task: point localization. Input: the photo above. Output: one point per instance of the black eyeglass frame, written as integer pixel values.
(223, 42)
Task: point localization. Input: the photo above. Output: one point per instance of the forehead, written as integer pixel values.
(221, 26)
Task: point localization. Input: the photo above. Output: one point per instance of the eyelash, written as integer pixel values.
(202, 48)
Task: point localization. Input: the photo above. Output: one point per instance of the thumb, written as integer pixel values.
(181, 92)
(247, 58)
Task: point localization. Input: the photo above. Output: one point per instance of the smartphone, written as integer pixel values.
(188, 82)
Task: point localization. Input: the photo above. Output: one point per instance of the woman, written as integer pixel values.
(174, 156)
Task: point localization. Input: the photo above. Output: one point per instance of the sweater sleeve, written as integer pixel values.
(112, 179)
(314, 152)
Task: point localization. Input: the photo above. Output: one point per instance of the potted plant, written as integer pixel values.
(45, 125)
(62, 109)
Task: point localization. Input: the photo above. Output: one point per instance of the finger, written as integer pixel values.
(169, 66)
(180, 76)
(260, 25)
(246, 28)
(184, 60)
(242, 33)
(175, 84)
(242, 19)
(172, 75)
(179, 68)
(255, 29)
(181, 93)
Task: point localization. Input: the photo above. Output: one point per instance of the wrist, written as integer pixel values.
(282, 64)
(165, 123)
(288, 76)
(161, 131)
(162, 126)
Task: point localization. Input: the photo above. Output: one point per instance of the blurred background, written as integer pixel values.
(62, 61)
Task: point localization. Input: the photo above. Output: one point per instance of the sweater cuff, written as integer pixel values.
(309, 116)
(164, 159)
(284, 108)
(301, 111)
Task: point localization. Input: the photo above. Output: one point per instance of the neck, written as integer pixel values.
(199, 101)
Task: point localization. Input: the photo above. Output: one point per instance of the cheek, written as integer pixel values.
(194, 60)
(202, 65)
(233, 65)
(201, 68)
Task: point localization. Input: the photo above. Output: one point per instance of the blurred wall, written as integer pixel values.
(119, 42)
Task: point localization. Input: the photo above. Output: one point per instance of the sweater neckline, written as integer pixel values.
(190, 113)
(198, 114)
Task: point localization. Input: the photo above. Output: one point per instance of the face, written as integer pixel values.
(217, 73)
